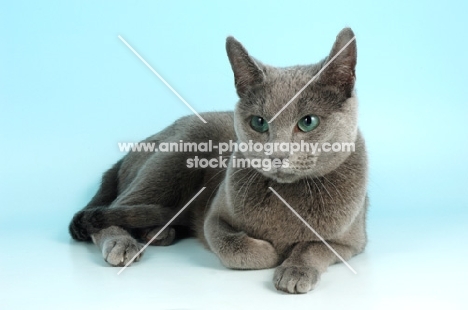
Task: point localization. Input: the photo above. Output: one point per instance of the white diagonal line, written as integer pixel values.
(311, 80)
(313, 230)
(161, 78)
(165, 226)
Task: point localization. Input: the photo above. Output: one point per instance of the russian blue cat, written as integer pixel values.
(237, 216)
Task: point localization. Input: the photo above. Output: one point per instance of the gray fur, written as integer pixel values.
(237, 216)
(117, 245)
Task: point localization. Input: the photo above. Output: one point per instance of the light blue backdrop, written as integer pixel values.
(70, 89)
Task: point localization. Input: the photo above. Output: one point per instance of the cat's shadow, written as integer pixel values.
(189, 248)
(196, 254)
(92, 253)
(271, 288)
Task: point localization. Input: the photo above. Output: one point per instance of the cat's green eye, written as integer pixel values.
(308, 123)
(258, 124)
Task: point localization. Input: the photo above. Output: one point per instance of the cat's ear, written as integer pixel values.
(343, 56)
(247, 72)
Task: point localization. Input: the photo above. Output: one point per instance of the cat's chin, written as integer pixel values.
(284, 181)
(283, 177)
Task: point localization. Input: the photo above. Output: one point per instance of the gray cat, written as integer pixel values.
(237, 216)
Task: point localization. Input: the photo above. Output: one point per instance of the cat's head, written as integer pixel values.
(324, 112)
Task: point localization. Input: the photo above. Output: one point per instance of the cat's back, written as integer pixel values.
(219, 127)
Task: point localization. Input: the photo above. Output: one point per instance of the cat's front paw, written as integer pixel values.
(118, 251)
(295, 280)
(248, 253)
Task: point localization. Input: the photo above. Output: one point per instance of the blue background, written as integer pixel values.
(70, 90)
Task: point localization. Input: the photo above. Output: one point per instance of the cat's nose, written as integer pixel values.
(281, 156)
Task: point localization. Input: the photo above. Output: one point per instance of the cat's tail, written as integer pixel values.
(104, 197)
(89, 221)
(98, 214)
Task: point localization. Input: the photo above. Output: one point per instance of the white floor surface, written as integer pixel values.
(410, 263)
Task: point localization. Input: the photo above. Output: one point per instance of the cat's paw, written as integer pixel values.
(166, 237)
(295, 280)
(249, 253)
(118, 251)
(77, 229)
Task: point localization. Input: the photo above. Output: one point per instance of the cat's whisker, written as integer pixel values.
(310, 190)
(325, 188)
(336, 189)
(249, 182)
(245, 185)
(251, 175)
(319, 193)
(217, 173)
(247, 175)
